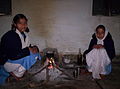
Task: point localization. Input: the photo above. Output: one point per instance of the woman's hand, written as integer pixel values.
(98, 46)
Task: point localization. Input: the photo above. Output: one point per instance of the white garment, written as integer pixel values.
(18, 69)
(97, 59)
(26, 42)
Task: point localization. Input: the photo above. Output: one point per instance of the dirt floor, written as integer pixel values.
(84, 81)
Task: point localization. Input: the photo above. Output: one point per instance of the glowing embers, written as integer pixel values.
(50, 71)
(51, 63)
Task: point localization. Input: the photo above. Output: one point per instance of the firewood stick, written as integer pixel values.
(65, 72)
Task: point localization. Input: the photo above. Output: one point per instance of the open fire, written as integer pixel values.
(50, 71)
(51, 63)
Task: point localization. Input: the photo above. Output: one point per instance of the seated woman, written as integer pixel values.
(15, 54)
(100, 53)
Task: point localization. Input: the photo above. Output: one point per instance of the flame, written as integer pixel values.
(50, 62)
(50, 67)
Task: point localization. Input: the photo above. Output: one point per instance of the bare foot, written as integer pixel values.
(17, 78)
(102, 76)
(87, 72)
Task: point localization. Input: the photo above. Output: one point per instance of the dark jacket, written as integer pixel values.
(11, 47)
(108, 45)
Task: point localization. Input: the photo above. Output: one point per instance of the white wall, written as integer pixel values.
(63, 24)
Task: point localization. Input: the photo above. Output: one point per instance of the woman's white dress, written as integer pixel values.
(98, 61)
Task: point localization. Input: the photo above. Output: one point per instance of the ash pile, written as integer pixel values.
(49, 69)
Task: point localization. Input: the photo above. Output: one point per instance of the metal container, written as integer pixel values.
(75, 73)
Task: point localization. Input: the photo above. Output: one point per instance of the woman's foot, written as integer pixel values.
(87, 72)
(17, 78)
(102, 76)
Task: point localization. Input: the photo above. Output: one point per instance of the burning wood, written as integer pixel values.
(50, 71)
(51, 63)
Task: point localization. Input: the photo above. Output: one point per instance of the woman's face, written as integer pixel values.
(100, 33)
(21, 25)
